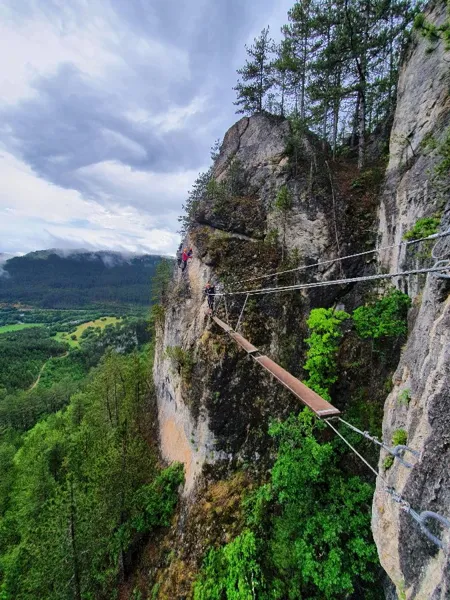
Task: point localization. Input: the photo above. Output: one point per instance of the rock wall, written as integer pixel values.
(213, 416)
(423, 110)
(419, 402)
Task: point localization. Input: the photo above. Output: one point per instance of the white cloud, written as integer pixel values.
(87, 35)
(37, 46)
(160, 193)
(35, 213)
(172, 118)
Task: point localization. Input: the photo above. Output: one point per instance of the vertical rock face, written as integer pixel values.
(423, 110)
(213, 409)
(419, 402)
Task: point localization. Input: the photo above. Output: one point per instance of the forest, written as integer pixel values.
(81, 487)
(85, 280)
(335, 70)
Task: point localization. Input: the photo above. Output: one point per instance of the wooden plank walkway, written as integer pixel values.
(321, 407)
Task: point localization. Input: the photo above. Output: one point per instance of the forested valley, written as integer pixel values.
(81, 483)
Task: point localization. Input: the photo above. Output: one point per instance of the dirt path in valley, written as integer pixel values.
(42, 370)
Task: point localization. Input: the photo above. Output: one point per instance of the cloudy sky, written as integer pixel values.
(108, 109)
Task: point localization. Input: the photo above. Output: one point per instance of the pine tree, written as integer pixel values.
(300, 32)
(256, 75)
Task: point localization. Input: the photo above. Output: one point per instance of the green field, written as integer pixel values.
(73, 339)
(19, 326)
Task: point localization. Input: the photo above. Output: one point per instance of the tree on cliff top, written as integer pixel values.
(256, 75)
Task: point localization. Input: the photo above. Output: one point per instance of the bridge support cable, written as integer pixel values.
(396, 452)
(420, 518)
(434, 236)
(242, 312)
(326, 411)
(304, 286)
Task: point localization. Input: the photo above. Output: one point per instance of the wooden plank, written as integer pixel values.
(243, 343)
(316, 403)
(220, 323)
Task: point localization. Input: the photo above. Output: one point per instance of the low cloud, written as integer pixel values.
(108, 111)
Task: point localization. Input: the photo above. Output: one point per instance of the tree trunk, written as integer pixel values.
(355, 122)
(303, 84)
(325, 125)
(335, 125)
(76, 567)
(362, 131)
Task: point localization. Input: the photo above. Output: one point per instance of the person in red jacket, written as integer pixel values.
(184, 258)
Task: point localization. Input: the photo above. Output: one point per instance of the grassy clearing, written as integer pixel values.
(18, 327)
(73, 339)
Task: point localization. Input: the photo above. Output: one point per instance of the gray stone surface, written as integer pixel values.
(418, 569)
(423, 109)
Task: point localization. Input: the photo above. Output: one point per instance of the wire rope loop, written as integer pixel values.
(433, 251)
(396, 453)
(429, 514)
(422, 518)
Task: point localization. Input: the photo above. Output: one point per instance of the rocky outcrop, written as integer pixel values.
(422, 113)
(419, 402)
(216, 407)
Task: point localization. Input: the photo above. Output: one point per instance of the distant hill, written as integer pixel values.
(61, 279)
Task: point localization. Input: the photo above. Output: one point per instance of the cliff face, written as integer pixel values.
(422, 112)
(207, 411)
(214, 402)
(419, 401)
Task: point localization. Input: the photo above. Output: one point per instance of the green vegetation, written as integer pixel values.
(308, 529)
(404, 397)
(183, 361)
(85, 280)
(18, 327)
(315, 73)
(432, 32)
(82, 489)
(423, 228)
(388, 462)
(325, 326)
(73, 338)
(399, 437)
(256, 75)
(383, 318)
(22, 354)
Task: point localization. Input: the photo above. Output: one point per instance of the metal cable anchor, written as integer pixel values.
(395, 452)
(422, 518)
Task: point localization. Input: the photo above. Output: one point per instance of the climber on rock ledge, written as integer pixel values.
(210, 291)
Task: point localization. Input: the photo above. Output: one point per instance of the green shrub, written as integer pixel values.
(399, 437)
(283, 200)
(404, 397)
(325, 326)
(423, 228)
(154, 503)
(308, 530)
(388, 462)
(231, 572)
(383, 318)
(183, 360)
